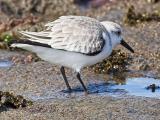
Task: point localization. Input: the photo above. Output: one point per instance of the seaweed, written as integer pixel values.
(117, 61)
(132, 18)
(5, 40)
(9, 100)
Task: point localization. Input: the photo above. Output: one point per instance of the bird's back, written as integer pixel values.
(72, 33)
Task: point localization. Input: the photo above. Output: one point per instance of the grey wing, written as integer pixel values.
(76, 33)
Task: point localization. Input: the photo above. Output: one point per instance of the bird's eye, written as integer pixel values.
(118, 32)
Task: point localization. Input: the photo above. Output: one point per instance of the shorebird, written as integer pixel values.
(74, 42)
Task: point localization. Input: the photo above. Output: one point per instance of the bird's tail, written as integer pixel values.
(41, 37)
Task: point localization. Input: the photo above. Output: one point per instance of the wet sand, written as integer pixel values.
(42, 82)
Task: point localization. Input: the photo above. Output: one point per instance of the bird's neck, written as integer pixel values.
(113, 40)
(114, 44)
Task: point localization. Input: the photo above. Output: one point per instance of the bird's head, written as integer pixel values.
(115, 33)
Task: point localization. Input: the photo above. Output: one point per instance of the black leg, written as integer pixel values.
(65, 78)
(80, 80)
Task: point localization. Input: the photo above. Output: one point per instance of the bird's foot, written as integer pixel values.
(70, 90)
(86, 92)
(67, 91)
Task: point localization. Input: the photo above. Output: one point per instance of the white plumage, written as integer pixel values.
(78, 35)
(74, 42)
(72, 33)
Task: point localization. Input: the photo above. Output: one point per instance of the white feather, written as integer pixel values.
(74, 34)
(69, 32)
(41, 37)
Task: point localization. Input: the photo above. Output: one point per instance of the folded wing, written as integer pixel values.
(72, 33)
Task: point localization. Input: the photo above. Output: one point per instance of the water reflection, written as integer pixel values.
(138, 87)
(5, 63)
(121, 87)
(118, 77)
(146, 87)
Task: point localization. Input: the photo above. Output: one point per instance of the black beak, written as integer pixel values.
(126, 45)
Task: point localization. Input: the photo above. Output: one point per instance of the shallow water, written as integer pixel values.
(132, 87)
(138, 87)
(5, 63)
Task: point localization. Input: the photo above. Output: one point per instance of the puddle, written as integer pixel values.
(132, 86)
(138, 87)
(5, 63)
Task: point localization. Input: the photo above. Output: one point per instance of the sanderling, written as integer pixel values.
(74, 42)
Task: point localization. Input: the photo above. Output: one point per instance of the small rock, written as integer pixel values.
(153, 87)
(11, 101)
